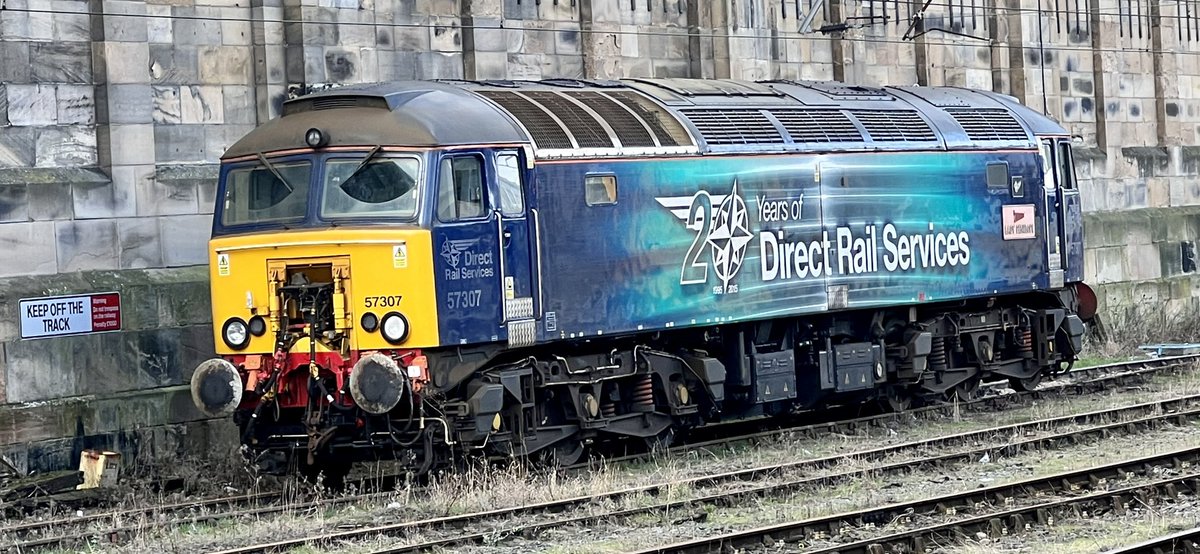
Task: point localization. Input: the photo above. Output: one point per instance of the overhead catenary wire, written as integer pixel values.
(704, 32)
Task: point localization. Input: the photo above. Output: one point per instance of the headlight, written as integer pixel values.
(394, 328)
(235, 333)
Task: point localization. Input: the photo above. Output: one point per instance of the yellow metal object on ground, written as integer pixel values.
(100, 468)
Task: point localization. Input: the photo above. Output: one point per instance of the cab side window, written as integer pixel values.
(460, 188)
(1066, 166)
(508, 178)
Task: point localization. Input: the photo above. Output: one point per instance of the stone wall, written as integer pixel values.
(113, 114)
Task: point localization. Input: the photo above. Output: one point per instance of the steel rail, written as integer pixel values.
(1115, 372)
(875, 454)
(1015, 521)
(956, 502)
(1184, 541)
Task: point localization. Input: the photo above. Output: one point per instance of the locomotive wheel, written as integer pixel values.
(567, 452)
(660, 442)
(896, 399)
(966, 390)
(1027, 384)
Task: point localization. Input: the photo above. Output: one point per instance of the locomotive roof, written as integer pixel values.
(565, 118)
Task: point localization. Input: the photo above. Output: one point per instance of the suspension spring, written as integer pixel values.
(1025, 341)
(608, 409)
(643, 394)
(937, 354)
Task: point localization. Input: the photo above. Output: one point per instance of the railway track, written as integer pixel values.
(1173, 410)
(979, 505)
(39, 535)
(1186, 542)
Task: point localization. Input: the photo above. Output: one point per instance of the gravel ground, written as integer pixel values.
(493, 488)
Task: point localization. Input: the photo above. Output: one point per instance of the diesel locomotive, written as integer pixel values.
(419, 270)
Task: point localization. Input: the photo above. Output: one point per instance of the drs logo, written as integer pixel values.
(721, 231)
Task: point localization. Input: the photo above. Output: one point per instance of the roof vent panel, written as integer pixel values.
(817, 126)
(894, 125)
(543, 129)
(629, 129)
(989, 124)
(588, 132)
(334, 102)
(734, 127)
(668, 130)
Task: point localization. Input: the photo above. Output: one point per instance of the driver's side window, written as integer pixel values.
(460, 188)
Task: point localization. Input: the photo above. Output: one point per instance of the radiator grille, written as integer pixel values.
(734, 126)
(543, 129)
(807, 126)
(989, 124)
(894, 126)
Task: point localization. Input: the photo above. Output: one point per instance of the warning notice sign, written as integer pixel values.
(60, 316)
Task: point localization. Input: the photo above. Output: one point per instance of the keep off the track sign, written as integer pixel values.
(60, 316)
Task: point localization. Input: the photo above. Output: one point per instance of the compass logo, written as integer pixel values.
(723, 231)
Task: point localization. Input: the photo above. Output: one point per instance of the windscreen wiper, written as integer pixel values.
(270, 167)
(370, 155)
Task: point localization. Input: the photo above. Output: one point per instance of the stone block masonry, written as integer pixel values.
(113, 114)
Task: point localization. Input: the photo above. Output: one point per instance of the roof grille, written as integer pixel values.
(894, 126)
(333, 103)
(666, 128)
(629, 129)
(734, 126)
(588, 132)
(543, 129)
(806, 126)
(989, 124)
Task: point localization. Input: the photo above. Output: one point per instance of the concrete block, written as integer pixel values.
(124, 62)
(86, 245)
(196, 31)
(30, 248)
(184, 304)
(235, 29)
(125, 104)
(225, 65)
(70, 27)
(1142, 262)
(14, 203)
(49, 201)
(28, 380)
(76, 105)
(124, 29)
(174, 64)
(66, 146)
(32, 104)
(185, 239)
(218, 139)
(17, 147)
(179, 143)
(239, 104)
(15, 25)
(137, 243)
(166, 105)
(525, 66)
(201, 104)
(14, 62)
(342, 66)
(160, 30)
(108, 200)
(156, 197)
(130, 144)
(1110, 265)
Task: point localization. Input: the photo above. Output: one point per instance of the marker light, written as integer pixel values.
(369, 322)
(394, 328)
(315, 138)
(235, 333)
(258, 326)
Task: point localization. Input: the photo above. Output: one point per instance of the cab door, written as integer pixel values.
(467, 256)
(518, 246)
(1070, 213)
(1053, 209)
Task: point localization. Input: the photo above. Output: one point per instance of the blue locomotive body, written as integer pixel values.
(622, 260)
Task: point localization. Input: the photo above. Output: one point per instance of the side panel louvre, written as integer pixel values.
(543, 129)
(809, 126)
(588, 132)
